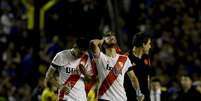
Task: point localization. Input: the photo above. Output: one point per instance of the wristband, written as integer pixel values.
(138, 92)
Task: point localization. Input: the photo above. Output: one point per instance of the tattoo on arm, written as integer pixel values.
(50, 76)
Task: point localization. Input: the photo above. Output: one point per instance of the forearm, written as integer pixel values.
(51, 78)
(53, 81)
(135, 83)
(94, 45)
(136, 86)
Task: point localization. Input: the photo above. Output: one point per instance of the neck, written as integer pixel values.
(137, 52)
(111, 52)
(75, 53)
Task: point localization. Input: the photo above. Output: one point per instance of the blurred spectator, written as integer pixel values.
(26, 65)
(174, 24)
(38, 90)
(187, 92)
(197, 86)
(7, 21)
(157, 93)
(12, 93)
(54, 47)
(48, 93)
(11, 55)
(172, 91)
(24, 93)
(3, 88)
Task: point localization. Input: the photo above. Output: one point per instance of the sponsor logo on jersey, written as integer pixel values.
(114, 70)
(72, 70)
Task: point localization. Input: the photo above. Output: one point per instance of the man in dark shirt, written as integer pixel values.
(139, 56)
(188, 92)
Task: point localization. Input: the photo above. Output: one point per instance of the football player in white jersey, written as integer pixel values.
(111, 68)
(73, 66)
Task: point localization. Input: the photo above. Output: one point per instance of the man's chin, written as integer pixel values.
(112, 45)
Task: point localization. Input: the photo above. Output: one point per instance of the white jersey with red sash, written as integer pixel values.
(70, 75)
(111, 73)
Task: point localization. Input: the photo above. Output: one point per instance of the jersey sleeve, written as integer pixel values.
(57, 61)
(100, 58)
(128, 64)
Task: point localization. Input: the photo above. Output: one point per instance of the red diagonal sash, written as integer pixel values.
(89, 85)
(71, 81)
(112, 76)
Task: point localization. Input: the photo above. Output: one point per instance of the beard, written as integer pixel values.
(109, 45)
(112, 45)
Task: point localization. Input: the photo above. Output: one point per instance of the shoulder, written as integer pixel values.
(61, 57)
(124, 57)
(64, 52)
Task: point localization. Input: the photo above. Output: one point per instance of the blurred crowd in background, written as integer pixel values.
(26, 52)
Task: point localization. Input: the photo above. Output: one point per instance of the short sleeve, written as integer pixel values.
(57, 60)
(100, 57)
(128, 64)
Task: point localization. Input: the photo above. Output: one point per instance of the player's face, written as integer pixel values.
(155, 86)
(147, 46)
(110, 40)
(78, 51)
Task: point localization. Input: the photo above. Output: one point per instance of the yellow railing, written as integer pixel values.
(29, 13)
(46, 7)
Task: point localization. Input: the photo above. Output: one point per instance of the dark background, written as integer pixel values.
(27, 52)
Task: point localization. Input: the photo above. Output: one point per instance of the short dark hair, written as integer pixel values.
(156, 80)
(82, 43)
(140, 38)
(186, 76)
